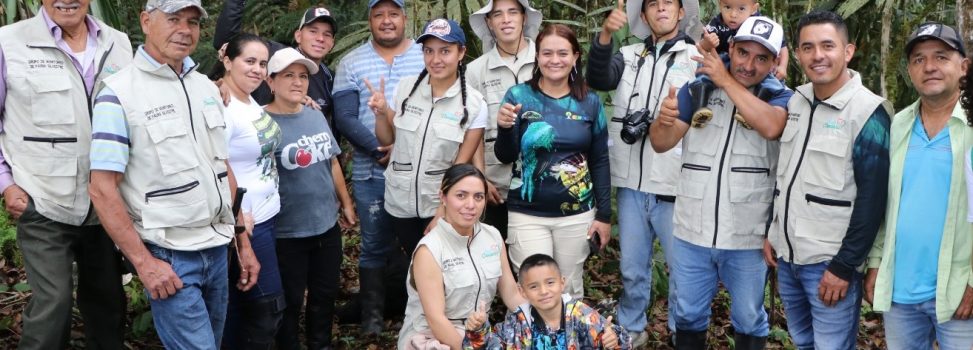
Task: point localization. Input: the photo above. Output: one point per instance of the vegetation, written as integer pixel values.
(879, 28)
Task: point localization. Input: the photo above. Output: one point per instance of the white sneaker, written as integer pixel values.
(639, 339)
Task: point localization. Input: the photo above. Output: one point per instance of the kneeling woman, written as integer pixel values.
(460, 265)
(440, 122)
(311, 187)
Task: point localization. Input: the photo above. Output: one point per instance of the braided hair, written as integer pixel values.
(461, 71)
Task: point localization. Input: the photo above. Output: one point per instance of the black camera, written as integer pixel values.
(635, 125)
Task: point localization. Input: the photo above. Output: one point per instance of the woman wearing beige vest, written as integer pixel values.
(439, 122)
(458, 267)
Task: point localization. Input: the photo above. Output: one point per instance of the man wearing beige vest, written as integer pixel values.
(832, 180)
(160, 180)
(49, 67)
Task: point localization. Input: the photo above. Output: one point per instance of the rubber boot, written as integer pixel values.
(700, 92)
(372, 297)
(690, 340)
(749, 342)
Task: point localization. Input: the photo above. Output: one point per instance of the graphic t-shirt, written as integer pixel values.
(560, 150)
(252, 136)
(308, 201)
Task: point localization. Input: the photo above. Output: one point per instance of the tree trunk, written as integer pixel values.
(964, 22)
(887, 12)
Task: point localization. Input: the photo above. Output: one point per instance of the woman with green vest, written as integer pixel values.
(439, 122)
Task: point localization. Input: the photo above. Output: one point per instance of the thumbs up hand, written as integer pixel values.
(609, 340)
(476, 319)
(669, 110)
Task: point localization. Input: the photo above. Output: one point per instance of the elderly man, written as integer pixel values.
(388, 57)
(49, 66)
(645, 181)
(832, 182)
(724, 193)
(160, 181)
(919, 267)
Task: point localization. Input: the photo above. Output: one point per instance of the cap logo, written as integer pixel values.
(321, 11)
(928, 30)
(438, 27)
(762, 28)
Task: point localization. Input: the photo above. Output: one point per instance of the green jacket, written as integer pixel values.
(957, 244)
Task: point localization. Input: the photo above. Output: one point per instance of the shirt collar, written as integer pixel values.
(93, 28)
(187, 63)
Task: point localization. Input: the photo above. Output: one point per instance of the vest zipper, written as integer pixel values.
(479, 281)
(101, 65)
(170, 191)
(719, 179)
(422, 147)
(826, 201)
(790, 186)
(52, 140)
(655, 61)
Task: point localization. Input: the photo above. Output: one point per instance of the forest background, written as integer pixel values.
(879, 29)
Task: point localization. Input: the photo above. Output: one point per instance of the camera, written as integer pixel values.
(635, 125)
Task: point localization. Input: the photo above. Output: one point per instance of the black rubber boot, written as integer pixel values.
(749, 342)
(372, 298)
(690, 340)
(700, 92)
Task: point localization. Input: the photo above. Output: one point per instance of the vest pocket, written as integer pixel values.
(689, 205)
(786, 146)
(619, 152)
(429, 191)
(826, 162)
(51, 101)
(57, 177)
(172, 145)
(830, 219)
(176, 206)
(216, 125)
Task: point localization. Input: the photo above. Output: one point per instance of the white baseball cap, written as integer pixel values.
(285, 57)
(762, 30)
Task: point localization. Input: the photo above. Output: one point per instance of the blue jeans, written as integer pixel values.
(811, 323)
(193, 317)
(252, 317)
(696, 270)
(913, 326)
(377, 237)
(641, 218)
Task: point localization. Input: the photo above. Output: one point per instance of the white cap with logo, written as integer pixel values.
(763, 30)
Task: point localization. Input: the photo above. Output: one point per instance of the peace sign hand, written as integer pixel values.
(377, 102)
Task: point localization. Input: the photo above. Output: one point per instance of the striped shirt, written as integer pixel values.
(365, 63)
(109, 127)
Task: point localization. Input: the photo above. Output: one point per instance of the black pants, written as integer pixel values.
(310, 264)
(49, 247)
(496, 216)
(409, 231)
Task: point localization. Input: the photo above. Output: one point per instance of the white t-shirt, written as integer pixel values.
(252, 136)
(969, 186)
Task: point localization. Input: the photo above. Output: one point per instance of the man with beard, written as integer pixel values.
(832, 184)
(724, 193)
(506, 28)
(919, 267)
(387, 58)
(49, 67)
(645, 181)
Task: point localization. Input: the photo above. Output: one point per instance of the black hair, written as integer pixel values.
(579, 87)
(461, 71)
(234, 48)
(645, 3)
(966, 84)
(823, 17)
(537, 260)
(458, 172)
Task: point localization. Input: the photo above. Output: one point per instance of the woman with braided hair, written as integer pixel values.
(436, 121)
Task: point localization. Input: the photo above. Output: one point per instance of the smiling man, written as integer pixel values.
(919, 266)
(724, 192)
(49, 67)
(832, 183)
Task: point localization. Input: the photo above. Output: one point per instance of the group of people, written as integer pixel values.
(225, 194)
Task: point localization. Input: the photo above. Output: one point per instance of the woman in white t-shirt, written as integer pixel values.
(254, 315)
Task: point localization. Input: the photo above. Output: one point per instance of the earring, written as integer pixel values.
(574, 73)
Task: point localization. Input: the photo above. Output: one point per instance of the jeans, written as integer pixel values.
(49, 248)
(377, 237)
(312, 265)
(252, 317)
(641, 218)
(696, 271)
(913, 326)
(811, 323)
(193, 317)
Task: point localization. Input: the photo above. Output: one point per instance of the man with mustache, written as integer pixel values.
(645, 181)
(49, 67)
(161, 183)
(919, 267)
(724, 193)
(387, 57)
(832, 183)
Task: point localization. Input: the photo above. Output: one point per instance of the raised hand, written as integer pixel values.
(669, 110)
(508, 115)
(710, 40)
(377, 102)
(476, 319)
(609, 340)
(613, 23)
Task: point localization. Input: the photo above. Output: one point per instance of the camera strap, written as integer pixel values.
(635, 83)
(669, 62)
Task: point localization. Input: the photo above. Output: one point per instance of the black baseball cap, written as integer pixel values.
(938, 31)
(318, 13)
